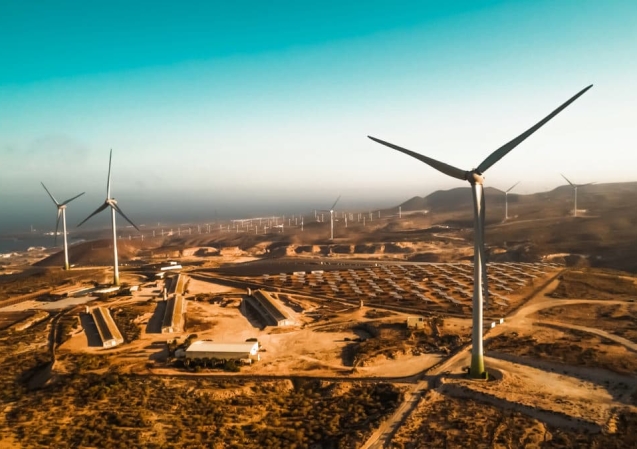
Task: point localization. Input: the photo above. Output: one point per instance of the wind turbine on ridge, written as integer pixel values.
(332, 217)
(62, 213)
(575, 186)
(476, 179)
(506, 200)
(112, 203)
(331, 211)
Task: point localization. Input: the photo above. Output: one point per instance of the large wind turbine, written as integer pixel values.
(112, 203)
(62, 213)
(475, 178)
(575, 186)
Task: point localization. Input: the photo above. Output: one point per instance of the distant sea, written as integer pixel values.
(26, 241)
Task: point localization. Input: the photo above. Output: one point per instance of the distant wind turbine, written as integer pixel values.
(112, 203)
(62, 213)
(331, 211)
(475, 178)
(575, 186)
(506, 200)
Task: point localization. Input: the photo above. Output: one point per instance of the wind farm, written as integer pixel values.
(278, 276)
(409, 298)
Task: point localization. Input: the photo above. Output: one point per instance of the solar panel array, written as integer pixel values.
(427, 285)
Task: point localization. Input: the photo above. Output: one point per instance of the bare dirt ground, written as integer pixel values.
(562, 365)
(558, 400)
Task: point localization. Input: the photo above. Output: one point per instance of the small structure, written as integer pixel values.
(171, 266)
(62, 292)
(106, 327)
(266, 308)
(174, 315)
(416, 322)
(209, 352)
(104, 293)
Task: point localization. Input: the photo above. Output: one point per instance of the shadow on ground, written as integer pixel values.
(155, 321)
(90, 330)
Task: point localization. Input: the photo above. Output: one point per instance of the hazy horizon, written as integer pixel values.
(265, 109)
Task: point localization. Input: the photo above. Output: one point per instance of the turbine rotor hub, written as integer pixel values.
(474, 177)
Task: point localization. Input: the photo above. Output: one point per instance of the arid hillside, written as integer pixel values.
(604, 233)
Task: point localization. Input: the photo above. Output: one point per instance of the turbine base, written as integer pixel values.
(477, 367)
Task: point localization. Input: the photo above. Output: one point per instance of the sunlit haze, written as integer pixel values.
(222, 109)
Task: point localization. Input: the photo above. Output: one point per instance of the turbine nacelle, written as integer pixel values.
(474, 177)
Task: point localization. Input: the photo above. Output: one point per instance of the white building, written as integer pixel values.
(209, 350)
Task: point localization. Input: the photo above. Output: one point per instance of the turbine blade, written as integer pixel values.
(568, 180)
(97, 211)
(447, 169)
(108, 181)
(76, 196)
(512, 187)
(483, 253)
(117, 208)
(587, 184)
(503, 150)
(47, 191)
(334, 205)
(57, 226)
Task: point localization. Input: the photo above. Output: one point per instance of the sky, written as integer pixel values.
(216, 109)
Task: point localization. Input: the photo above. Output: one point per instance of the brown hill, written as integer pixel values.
(95, 252)
(605, 232)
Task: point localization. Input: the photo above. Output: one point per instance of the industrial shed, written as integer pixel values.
(106, 327)
(208, 351)
(174, 315)
(266, 307)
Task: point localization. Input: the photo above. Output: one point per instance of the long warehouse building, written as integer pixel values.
(174, 315)
(106, 327)
(266, 307)
(211, 350)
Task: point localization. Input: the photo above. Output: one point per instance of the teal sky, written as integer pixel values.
(222, 106)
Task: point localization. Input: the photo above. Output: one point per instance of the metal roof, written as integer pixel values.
(214, 346)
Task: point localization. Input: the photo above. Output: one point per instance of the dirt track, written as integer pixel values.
(579, 399)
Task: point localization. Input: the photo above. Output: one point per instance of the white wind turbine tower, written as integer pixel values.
(332, 218)
(506, 200)
(112, 203)
(475, 178)
(62, 213)
(575, 186)
(331, 211)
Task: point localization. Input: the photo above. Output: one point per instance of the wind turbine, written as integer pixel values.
(506, 200)
(331, 211)
(62, 213)
(332, 218)
(112, 203)
(475, 178)
(575, 186)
